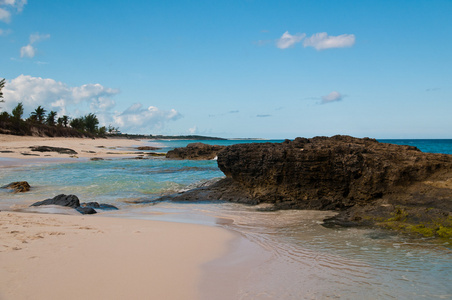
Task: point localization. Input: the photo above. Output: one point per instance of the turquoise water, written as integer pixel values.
(303, 259)
(432, 146)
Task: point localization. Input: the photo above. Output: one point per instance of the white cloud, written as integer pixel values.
(55, 95)
(7, 5)
(332, 97)
(136, 118)
(5, 16)
(193, 130)
(287, 40)
(321, 41)
(29, 50)
(36, 37)
(17, 4)
(4, 32)
(81, 100)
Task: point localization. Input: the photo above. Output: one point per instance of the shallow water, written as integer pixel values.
(301, 258)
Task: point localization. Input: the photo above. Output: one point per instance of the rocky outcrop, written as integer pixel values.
(53, 149)
(18, 186)
(73, 202)
(196, 151)
(369, 182)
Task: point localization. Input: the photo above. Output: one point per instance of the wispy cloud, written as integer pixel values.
(9, 6)
(137, 118)
(287, 40)
(322, 40)
(80, 100)
(4, 32)
(319, 41)
(432, 89)
(263, 42)
(263, 116)
(5, 16)
(222, 114)
(29, 50)
(332, 97)
(193, 130)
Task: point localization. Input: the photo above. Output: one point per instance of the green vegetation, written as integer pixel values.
(412, 223)
(40, 123)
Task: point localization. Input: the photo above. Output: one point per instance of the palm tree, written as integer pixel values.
(38, 114)
(78, 123)
(51, 118)
(65, 120)
(91, 122)
(18, 111)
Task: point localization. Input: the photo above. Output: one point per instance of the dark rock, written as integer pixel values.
(147, 148)
(53, 149)
(18, 187)
(325, 173)
(96, 158)
(370, 183)
(73, 201)
(86, 210)
(62, 200)
(99, 205)
(156, 154)
(195, 151)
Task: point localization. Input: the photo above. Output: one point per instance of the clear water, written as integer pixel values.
(303, 260)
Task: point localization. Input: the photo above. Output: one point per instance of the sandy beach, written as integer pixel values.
(84, 257)
(18, 147)
(50, 256)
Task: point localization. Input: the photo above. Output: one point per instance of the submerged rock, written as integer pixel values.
(195, 151)
(86, 210)
(18, 186)
(99, 205)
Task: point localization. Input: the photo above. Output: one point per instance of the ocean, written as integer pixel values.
(303, 259)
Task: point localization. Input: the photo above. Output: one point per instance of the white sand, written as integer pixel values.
(91, 257)
(18, 147)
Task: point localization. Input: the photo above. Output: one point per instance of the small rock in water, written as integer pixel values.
(99, 205)
(18, 186)
(62, 200)
(86, 210)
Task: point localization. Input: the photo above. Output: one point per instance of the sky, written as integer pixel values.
(235, 68)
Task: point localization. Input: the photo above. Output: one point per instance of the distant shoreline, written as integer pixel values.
(165, 137)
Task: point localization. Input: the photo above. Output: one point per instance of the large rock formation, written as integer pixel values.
(198, 151)
(369, 181)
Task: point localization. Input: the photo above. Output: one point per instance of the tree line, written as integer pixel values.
(47, 124)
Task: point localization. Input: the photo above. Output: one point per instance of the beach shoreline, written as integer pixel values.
(90, 257)
(16, 150)
(70, 256)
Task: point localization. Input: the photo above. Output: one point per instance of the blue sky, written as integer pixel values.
(265, 69)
